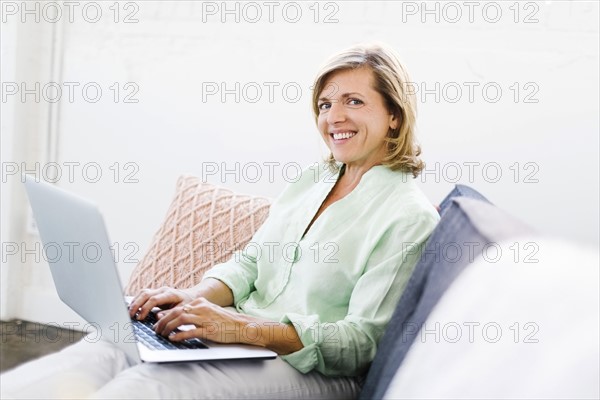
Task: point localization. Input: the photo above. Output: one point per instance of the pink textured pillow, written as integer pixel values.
(205, 224)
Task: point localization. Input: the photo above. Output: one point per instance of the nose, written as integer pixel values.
(337, 113)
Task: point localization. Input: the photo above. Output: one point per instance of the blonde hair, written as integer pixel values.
(391, 81)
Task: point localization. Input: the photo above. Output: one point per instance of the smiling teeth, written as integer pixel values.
(344, 135)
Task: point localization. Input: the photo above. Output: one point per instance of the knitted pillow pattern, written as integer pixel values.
(204, 225)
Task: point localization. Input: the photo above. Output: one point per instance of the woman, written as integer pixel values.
(324, 272)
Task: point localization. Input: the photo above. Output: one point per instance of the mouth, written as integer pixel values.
(342, 136)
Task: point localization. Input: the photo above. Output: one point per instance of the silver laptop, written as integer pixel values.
(87, 280)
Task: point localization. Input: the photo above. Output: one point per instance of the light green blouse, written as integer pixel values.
(339, 284)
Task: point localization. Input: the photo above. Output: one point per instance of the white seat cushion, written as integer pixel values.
(509, 329)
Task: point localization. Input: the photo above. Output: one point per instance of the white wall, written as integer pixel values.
(176, 49)
(7, 69)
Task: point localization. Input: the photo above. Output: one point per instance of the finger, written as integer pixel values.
(168, 322)
(189, 313)
(181, 304)
(206, 330)
(183, 335)
(182, 318)
(170, 326)
(162, 319)
(159, 299)
(177, 318)
(138, 301)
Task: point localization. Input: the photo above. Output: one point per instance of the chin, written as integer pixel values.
(342, 159)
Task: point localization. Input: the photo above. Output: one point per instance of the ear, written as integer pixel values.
(394, 120)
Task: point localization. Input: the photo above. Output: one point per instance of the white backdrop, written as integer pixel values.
(143, 91)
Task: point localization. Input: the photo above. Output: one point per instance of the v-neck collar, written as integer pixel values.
(376, 176)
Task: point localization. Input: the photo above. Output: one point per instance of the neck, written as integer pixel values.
(351, 175)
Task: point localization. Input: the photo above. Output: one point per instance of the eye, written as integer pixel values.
(324, 106)
(355, 102)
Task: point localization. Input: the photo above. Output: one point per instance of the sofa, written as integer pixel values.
(493, 308)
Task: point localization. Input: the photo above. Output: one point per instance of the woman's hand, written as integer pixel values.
(212, 322)
(164, 297)
(219, 325)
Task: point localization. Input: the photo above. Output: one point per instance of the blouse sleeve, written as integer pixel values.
(240, 272)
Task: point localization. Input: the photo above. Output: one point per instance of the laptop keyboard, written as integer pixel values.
(146, 335)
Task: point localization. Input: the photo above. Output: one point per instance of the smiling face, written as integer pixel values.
(353, 118)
